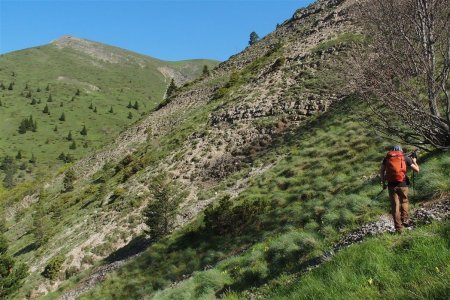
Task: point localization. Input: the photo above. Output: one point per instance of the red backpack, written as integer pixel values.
(395, 166)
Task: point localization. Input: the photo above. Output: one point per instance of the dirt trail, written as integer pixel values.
(429, 212)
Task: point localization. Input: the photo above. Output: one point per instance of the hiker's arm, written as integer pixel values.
(414, 165)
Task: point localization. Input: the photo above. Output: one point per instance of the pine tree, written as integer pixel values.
(95, 109)
(84, 130)
(28, 94)
(38, 90)
(19, 155)
(171, 89)
(130, 115)
(62, 156)
(77, 93)
(50, 99)
(48, 87)
(55, 129)
(23, 127)
(62, 118)
(69, 136)
(205, 72)
(46, 111)
(12, 273)
(253, 38)
(26, 86)
(136, 105)
(33, 101)
(11, 86)
(73, 146)
(91, 106)
(160, 213)
(129, 105)
(111, 110)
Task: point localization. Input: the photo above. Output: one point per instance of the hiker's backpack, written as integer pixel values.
(395, 166)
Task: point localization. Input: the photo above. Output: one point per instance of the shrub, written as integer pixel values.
(228, 218)
(53, 267)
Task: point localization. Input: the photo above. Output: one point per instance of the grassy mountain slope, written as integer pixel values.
(91, 83)
(271, 151)
(322, 187)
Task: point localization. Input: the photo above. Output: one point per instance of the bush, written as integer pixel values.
(53, 267)
(228, 218)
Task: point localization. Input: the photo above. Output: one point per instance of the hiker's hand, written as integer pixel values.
(414, 160)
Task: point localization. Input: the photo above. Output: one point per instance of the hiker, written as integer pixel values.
(393, 170)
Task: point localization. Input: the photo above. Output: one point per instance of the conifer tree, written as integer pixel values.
(84, 130)
(205, 72)
(69, 136)
(48, 87)
(12, 273)
(38, 90)
(22, 127)
(171, 89)
(253, 38)
(91, 106)
(95, 109)
(33, 101)
(11, 86)
(61, 104)
(19, 155)
(45, 110)
(136, 105)
(130, 115)
(129, 105)
(55, 129)
(73, 146)
(111, 110)
(160, 213)
(50, 99)
(77, 93)
(62, 118)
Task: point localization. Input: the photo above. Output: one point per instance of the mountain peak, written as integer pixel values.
(69, 40)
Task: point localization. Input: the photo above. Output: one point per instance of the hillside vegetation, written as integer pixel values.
(73, 84)
(275, 164)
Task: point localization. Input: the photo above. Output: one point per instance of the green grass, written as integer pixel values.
(103, 84)
(314, 195)
(415, 265)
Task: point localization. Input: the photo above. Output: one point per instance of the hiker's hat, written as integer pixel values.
(397, 148)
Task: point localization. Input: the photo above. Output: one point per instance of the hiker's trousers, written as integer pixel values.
(399, 206)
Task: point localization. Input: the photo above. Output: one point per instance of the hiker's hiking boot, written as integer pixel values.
(407, 224)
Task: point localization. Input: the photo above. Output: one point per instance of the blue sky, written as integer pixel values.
(165, 29)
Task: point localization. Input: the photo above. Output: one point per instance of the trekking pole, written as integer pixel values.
(414, 155)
